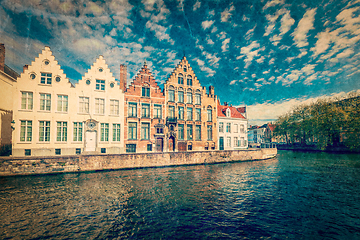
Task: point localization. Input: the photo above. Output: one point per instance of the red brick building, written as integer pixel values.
(144, 112)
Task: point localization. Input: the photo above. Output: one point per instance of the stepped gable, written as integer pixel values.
(180, 69)
(235, 113)
(99, 70)
(144, 78)
(44, 63)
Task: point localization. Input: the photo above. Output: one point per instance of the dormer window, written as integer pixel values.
(46, 78)
(145, 92)
(100, 85)
(228, 112)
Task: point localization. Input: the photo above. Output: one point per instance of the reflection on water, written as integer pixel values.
(297, 195)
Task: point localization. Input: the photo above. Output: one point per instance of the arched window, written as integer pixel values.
(180, 79)
(189, 81)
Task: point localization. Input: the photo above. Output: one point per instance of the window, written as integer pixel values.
(236, 142)
(145, 128)
(145, 110)
(181, 97)
(180, 79)
(100, 85)
(189, 114)
(44, 131)
(171, 96)
(242, 142)
(103, 150)
(145, 92)
(104, 132)
(130, 147)
(189, 97)
(149, 147)
(62, 104)
(77, 131)
(27, 152)
(114, 107)
(159, 130)
(221, 127)
(198, 114)
(45, 78)
(185, 69)
(228, 127)
(181, 131)
(197, 98)
(181, 113)
(99, 105)
(171, 112)
(57, 151)
(236, 128)
(78, 151)
(132, 131)
(228, 141)
(26, 131)
(198, 132)
(189, 132)
(157, 111)
(116, 132)
(45, 102)
(242, 128)
(83, 104)
(27, 100)
(209, 115)
(189, 80)
(228, 112)
(132, 109)
(61, 133)
(209, 132)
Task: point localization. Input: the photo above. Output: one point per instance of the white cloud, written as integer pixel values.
(304, 26)
(197, 5)
(160, 31)
(233, 82)
(207, 24)
(250, 53)
(286, 23)
(226, 14)
(273, 3)
(225, 45)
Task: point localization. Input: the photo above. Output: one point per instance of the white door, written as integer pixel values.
(90, 141)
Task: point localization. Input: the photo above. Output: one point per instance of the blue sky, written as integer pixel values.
(268, 55)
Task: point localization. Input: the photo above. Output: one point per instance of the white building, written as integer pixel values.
(232, 126)
(256, 136)
(54, 117)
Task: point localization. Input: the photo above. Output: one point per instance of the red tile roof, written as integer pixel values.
(235, 112)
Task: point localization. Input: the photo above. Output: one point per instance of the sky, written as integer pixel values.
(266, 55)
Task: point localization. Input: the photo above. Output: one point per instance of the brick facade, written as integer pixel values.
(144, 114)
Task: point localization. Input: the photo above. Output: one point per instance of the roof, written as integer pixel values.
(235, 112)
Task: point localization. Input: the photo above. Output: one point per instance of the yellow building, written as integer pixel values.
(54, 117)
(7, 83)
(191, 113)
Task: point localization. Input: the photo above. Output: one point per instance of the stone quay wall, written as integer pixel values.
(30, 165)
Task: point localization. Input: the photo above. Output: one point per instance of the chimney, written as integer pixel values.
(211, 90)
(225, 104)
(2, 57)
(25, 67)
(123, 74)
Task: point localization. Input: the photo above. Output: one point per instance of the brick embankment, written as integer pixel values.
(12, 166)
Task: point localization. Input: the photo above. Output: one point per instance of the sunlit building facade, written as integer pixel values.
(190, 111)
(144, 111)
(55, 117)
(232, 127)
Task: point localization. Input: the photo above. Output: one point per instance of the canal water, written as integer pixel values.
(296, 195)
